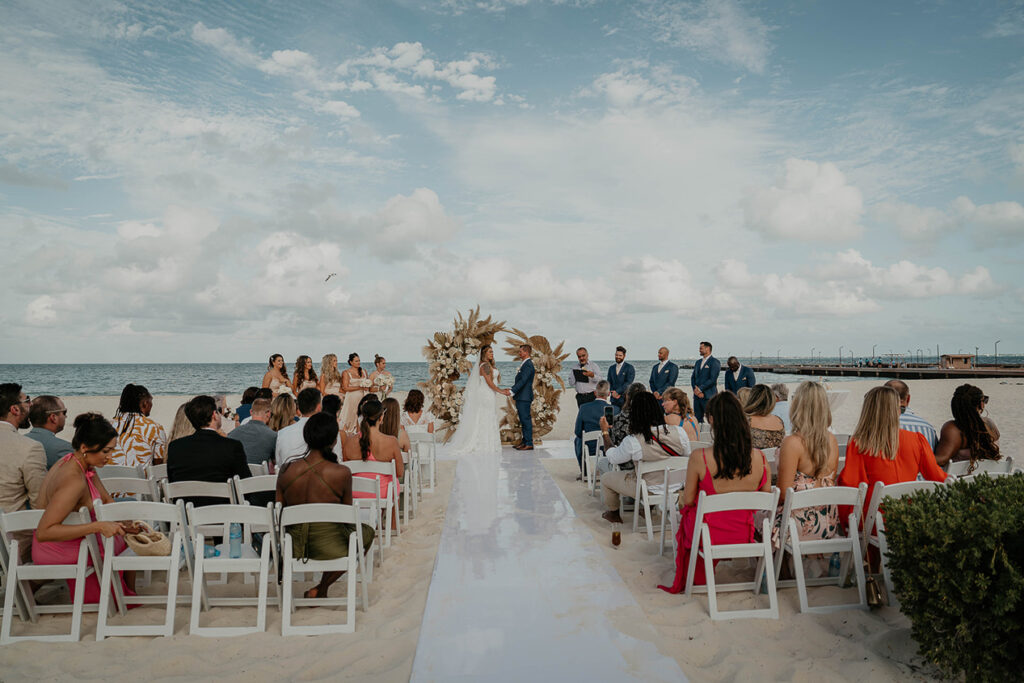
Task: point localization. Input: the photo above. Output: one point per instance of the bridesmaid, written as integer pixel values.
(305, 375)
(354, 383)
(276, 378)
(381, 380)
(330, 378)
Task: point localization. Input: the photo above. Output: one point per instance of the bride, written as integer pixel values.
(477, 431)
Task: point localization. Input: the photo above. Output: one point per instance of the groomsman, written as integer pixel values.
(704, 380)
(591, 372)
(620, 376)
(739, 376)
(664, 374)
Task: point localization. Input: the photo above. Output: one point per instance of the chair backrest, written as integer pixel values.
(157, 472)
(881, 491)
(365, 485)
(370, 467)
(975, 475)
(129, 486)
(592, 435)
(959, 469)
(672, 464)
(261, 484)
(770, 453)
(228, 514)
(119, 471)
(738, 500)
(827, 495)
(318, 512)
(259, 470)
(842, 440)
(197, 489)
(21, 520)
(694, 445)
(136, 509)
(417, 433)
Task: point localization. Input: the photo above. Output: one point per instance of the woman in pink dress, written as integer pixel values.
(734, 465)
(371, 445)
(70, 485)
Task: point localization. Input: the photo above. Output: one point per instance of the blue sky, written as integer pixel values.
(178, 180)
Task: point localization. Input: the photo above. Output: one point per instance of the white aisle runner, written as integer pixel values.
(521, 592)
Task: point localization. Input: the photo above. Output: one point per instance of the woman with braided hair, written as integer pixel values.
(969, 435)
(140, 440)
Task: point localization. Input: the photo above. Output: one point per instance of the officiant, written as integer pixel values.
(584, 378)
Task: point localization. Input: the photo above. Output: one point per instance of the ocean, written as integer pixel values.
(186, 379)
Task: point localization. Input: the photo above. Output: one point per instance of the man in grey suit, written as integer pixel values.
(48, 417)
(258, 440)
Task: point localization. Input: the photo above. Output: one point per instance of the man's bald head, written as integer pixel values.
(902, 389)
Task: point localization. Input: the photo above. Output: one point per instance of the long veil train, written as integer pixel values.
(477, 431)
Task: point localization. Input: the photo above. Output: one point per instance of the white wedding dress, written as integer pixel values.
(477, 432)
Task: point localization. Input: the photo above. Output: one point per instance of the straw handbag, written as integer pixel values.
(148, 542)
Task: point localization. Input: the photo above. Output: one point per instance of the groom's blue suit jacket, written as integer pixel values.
(522, 390)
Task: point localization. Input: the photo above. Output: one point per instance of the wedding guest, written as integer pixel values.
(330, 378)
(591, 372)
(704, 379)
(766, 430)
(381, 380)
(331, 404)
(304, 377)
(48, 417)
(649, 439)
(318, 478)
(735, 466)
(182, 427)
(282, 412)
(290, 442)
(968, 436)
(276, 377)
(354, 384)
(678, 412)
(415, 415)
(738, 375)
(664, 374)
(620, 426)
(879, 450)
(743, 394)
(22, 460)
(206, 455)
(391, 424)
(256, 437)
(245, 407)
(620, 376)
(588, 419)
(909, 420)
(230, 420)
(69, 486)
(370, 444)
(140, 440)
(781, 393)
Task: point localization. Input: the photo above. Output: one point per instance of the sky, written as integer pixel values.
(219, 181)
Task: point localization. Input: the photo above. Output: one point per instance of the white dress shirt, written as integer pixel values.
(290, 442)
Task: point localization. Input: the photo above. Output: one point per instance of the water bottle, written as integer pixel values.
(834, 565)
(235, 538)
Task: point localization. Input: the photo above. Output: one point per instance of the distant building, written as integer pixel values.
(956, 361)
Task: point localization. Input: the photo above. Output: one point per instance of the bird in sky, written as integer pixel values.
(329, 277)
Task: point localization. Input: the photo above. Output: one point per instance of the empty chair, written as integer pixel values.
(157, 472)
(426, 446)
(120, 487)
(265, 483)
(260, 469)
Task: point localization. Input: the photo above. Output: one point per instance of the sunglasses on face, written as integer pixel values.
(984, 399)
(63, 412)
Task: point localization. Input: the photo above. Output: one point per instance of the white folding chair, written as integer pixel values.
(588, 461)
(874, 526)
(110, 584)
(157, 472)
(131, 486)
(972, 477)
(390, 500)
(248, 562)
(702, 545)
(353, 565)
(694, 445)
(259, 470)
(264, 483)
(409, 485)
(960, 468)
(651, 496)
(772, 456)
(850, 545)
(17, 585)
(426, 447)
(842, 440)
(374, 506)
(120, 471)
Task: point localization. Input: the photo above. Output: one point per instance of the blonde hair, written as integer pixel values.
(743, 394)
(182, 427)
(812, 416)
(878, 429)
(391, 421)
(759, 400)
(282, 412)
(329, 369)
(682, 400)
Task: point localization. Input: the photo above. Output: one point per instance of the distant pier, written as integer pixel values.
(911, 372)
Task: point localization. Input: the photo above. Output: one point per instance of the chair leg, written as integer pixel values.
(709, 573)
(9, 590)
(798, 568)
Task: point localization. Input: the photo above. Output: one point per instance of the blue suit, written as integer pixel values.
(660, 381)
(620, 381)
(746, 379)
(705, 379)
(522, 392)
(588, 419)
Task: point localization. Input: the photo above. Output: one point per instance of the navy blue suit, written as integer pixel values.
(746, 379)
(705, 379)
(522, 392)
(620, 381)
(660, 381)
(588, 419)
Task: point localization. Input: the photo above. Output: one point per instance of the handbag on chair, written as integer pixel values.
(148, 542)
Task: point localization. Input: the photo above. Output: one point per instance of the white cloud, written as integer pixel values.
(720, 30)
(916, 223)
(40, 311)
(996, 224)
(1000, 223)
(811, 201)
(636, 84)
(405, 222)
(903, 279)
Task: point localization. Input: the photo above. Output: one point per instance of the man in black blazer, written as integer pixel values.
(206, 455)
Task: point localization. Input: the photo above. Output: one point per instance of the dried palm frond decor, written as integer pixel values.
(547, 387)
(448, 354)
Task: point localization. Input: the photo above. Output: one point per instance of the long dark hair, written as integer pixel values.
(353, 356)
(966, 407)
(130, 404)
(301, 373)
(645, 412)
(732, 436)
(320, 432)
(371, 412)
(284, 367)
(634, 389)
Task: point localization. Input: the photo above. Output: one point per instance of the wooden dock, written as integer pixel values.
(912, 372)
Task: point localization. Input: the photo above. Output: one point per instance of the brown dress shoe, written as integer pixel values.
(612, 516)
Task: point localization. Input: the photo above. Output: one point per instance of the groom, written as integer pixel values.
(522, 390)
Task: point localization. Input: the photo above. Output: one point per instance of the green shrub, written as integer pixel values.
(957, 560)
